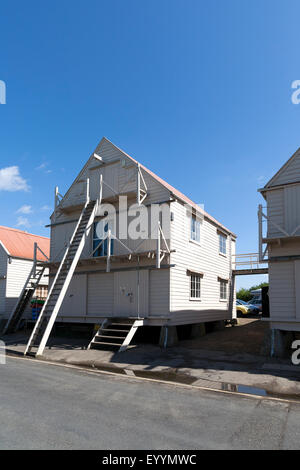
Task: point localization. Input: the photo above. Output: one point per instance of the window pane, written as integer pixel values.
(195, 286)
(195, 229)
(223, 290)
(222, 244)
(99, 233)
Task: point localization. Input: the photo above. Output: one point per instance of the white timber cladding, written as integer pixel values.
(292, 209)
(115, 174)
(163, 293)
(275, 212)
(282, 194)
(282, 290)
(203, 257)
(283, 209)
(289, 173)
(3, 278)
(17, 274)
(100, 294)
(75, 301)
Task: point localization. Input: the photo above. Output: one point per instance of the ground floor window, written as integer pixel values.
(195, 286)
(223, 289)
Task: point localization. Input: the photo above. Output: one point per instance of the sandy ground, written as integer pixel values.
(247, 338)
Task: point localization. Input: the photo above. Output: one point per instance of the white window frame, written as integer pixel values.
(110, 226)
(223, 288)
(196, 280)
(193, 234)
(222, 243)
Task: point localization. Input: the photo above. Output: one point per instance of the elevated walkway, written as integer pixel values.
(245, 264)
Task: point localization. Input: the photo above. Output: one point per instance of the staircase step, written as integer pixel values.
(127, 325)
(103, 338)
(114, 330)
(97, 343)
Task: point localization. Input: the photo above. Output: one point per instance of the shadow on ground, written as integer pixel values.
(231, 356)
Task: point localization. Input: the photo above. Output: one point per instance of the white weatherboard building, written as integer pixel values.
(180, 273)
(17, 253)
(279, 234)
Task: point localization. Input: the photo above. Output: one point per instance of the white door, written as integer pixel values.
(131, 293)
(74, 303)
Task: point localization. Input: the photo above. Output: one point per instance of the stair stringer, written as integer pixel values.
(25, 287)
(65, 286)
(130, 335)
(103, 324)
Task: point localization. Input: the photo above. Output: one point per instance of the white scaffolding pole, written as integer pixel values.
(260, 250)
(158, 246)
(87, 190)
(108, 251)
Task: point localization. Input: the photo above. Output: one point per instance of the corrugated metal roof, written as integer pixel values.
(20, 244)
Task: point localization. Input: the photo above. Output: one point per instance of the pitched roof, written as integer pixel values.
(282, 169)
(20, 244)
(175, 191)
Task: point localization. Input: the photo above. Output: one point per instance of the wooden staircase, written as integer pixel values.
(115, 333)
(30, 285)
(44, 324)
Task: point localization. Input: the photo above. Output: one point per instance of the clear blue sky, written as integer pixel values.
(198, 91)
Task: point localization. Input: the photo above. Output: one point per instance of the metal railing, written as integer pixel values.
(247, 261)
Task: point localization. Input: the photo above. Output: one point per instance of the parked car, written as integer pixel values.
(241, 308)
(254, 310)
(256, 303)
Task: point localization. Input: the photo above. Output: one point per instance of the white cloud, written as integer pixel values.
(260, 178)
(11, 180)
(45, 208)
(26, 209)
(22, 222)
(42, 166)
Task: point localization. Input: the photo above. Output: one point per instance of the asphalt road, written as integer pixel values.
(49, 407)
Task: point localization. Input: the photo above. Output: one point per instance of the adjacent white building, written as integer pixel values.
(279, 229)
(16, 262)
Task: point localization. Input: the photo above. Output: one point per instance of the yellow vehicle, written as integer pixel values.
(242, 308)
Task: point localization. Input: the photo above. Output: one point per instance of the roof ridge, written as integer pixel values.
(23, 232)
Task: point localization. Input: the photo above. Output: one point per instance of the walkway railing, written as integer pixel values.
(247, 261)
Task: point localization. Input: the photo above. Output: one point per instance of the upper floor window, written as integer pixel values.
(222, 243)
(195, 229)
(100, 230)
